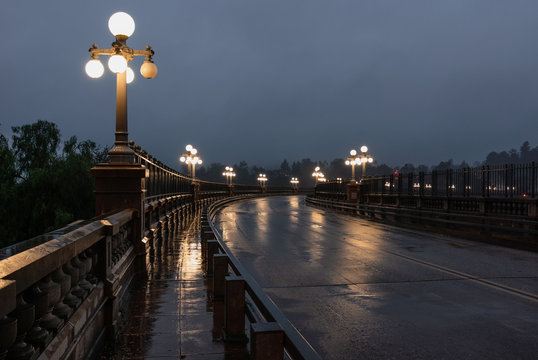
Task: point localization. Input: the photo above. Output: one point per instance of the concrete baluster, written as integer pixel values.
(93, 266)
(25, 315)
(38, 336)
(8, 334)
(62, 309)
(82, 282)
(88, 262)
(75, 294)
(50, 321)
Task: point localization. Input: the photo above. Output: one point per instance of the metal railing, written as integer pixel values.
(259, 308)
(508, 181)
(163, 181)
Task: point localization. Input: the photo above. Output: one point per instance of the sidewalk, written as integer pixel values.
(169, 317)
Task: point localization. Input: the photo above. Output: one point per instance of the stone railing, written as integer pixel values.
(55, 296)
(64, 294)
(65, 297)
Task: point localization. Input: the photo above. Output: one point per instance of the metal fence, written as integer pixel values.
(508, 181)
(162, 180)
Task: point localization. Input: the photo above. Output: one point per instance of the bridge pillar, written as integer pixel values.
(352, 192)
(118, 187)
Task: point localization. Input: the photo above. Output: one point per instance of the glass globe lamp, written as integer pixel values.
(121, 23)
(117, 64)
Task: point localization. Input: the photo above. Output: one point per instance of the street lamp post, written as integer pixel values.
(229, 173)
(365, 158)
(353, 160)
(320, 177)
(122, 26)
(294, 183)
(262, 179)
(191, 158)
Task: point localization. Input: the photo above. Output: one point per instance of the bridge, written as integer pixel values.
(399, 266)
(178, 267)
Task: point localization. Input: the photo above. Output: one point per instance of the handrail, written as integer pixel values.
(492, 223)
(294, 343)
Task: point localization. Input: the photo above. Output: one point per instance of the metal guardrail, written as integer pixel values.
(495, 224)
(260, 307)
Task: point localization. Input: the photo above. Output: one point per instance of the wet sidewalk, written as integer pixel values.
(169, 317)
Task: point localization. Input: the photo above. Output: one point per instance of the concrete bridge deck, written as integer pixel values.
(357, 289)
(169, 316)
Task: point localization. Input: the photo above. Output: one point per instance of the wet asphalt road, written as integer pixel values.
(359, 289)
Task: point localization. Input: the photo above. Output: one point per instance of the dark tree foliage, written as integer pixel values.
(41, 187)
(526, 154)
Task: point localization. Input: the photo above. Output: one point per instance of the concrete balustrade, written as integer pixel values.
(67, 297)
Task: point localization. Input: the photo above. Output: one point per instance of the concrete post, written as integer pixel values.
(212, 249)
(220, 271)
(266, 341)
(234, 318)
(120, 186)
(352, 192)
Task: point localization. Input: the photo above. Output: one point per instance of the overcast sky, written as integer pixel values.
(262, 81)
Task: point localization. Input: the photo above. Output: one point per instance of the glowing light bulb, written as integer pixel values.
(94, 68)
(121, 23)
(148, 69)
(117, 64)
(130, 75)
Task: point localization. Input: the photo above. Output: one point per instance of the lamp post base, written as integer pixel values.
(121, 154)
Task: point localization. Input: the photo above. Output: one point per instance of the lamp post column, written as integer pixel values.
(121, 152)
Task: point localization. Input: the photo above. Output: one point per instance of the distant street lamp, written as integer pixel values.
(122, 26)
(320, 177)
(262, 179)
(353, 160)
(294, 183)
(229, 173)
(365, 158)
(191, 158)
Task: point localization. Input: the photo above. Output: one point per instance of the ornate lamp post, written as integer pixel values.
(229, 173)
(320, 177)
(122, 26)
(294, 183)
(262, 179)
(191, 158)
(365, 158)
(353, 160)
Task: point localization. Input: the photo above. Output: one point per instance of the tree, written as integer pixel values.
(285, 167)
(40, 188)
(35, 146)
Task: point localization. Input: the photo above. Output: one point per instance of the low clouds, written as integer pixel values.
(417, 81)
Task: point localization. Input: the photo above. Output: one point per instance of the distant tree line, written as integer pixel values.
(337, 169)
(44, 184)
